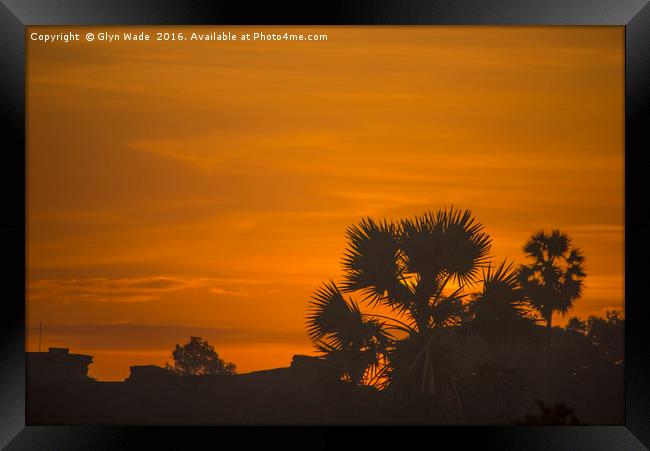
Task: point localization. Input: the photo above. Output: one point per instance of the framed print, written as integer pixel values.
(366, 219)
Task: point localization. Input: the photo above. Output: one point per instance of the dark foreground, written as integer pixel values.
(302, 394)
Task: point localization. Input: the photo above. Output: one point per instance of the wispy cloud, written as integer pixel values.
(131, 289)
(597, 229)
(221, 291)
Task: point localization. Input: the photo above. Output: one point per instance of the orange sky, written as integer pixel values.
(204, 188)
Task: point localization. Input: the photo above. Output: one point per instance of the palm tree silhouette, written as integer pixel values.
(407, 267)
(352, 342)
(552, 281)
(499, 314)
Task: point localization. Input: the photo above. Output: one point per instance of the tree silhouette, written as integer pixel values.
(353, 343)
(198, 358)
(607, 334)
(429, 285)
(556, 415)
(552, 281)
(500, 313)
(407, 267)
(501, 316)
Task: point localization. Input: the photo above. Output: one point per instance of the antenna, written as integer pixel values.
(40, 335)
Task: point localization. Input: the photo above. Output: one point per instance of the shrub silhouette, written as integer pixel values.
(556, 415)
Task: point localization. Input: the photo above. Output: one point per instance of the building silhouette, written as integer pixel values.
(57, 365)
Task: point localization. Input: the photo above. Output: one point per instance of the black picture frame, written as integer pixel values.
(15, 15)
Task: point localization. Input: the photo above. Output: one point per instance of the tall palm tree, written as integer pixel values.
(552, 281)
(407, 267)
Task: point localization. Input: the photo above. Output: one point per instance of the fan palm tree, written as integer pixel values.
(500, 315)
(552, 281)
(407, 267)
(500, 312)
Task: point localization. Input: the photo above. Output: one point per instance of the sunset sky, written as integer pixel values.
(204, 188)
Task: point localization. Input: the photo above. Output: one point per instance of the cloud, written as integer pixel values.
(597, 229)
(130, 289)
(221, 291)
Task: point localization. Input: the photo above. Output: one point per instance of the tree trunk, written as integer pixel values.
(547, 359)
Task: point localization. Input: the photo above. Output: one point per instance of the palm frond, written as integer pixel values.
(451, 241)
(575, 257)
(371, 262)
(557, 243)
(397, 324)
(425, 361)
(533, 247)
(329, 315)
(500, 312)
(351, 341)
(448, 311)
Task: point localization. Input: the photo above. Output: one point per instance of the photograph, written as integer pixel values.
(325, 225)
